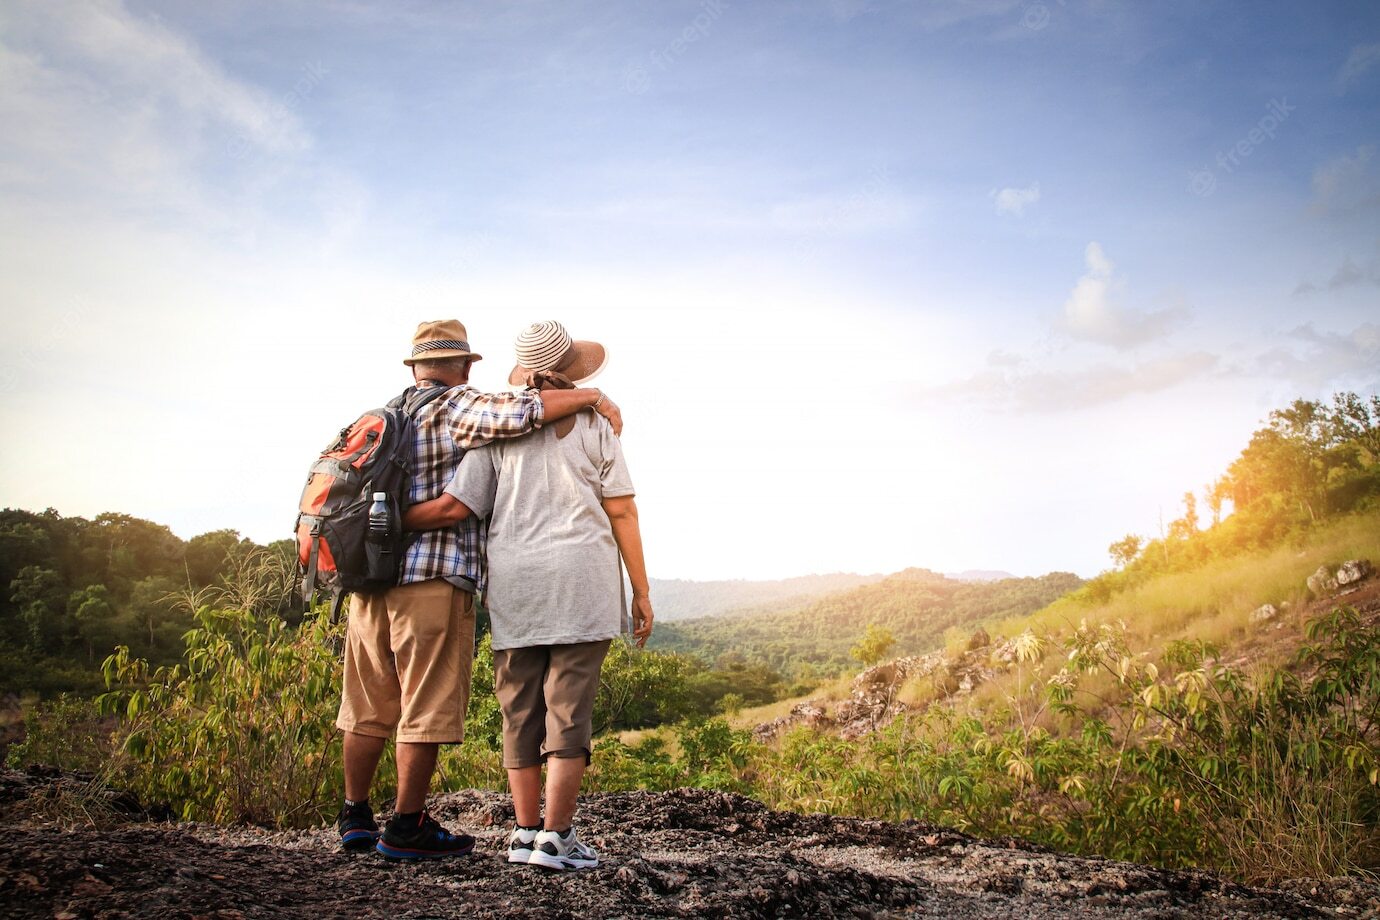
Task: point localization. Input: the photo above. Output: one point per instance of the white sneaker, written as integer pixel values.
(554, 851)
(520, 843)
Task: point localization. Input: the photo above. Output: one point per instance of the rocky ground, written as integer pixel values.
(689, 853)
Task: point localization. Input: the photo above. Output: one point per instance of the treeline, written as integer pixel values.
(677, 599)
(1312, 461)
(916, 607)
(71, 589)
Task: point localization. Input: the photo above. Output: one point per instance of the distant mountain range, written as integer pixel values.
(679, 599)
(979, 575)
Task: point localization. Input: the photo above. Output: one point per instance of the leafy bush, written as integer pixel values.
(241, 730)
(69, 733)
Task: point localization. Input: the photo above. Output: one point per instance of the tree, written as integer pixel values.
(90, 608)
(873, 646)
(1216, 495)
(37, 593)
(208, 555)
(1125, 550)
(152, 602)
(1186, 526)
(1355, 420)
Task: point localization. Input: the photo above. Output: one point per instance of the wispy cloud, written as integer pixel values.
(1361, 59)
(1091, 314)
(98, 99)
(1349, 274)
(1346, 184)
(1016, 200)
(1316, 359)
(1003, 388)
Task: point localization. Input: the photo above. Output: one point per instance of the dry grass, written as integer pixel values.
(833, 691)
(71, 802)
(1212, 603)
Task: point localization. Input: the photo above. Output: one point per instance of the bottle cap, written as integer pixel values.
(380, 496)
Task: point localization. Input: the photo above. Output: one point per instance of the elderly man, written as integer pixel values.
(409, 650)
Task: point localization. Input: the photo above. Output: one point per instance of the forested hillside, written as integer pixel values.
(915, 608)
(74, 588)
(678, 599)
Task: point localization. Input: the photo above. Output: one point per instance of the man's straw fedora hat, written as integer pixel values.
(438, 339)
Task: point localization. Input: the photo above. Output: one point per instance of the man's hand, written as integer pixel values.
(609, 410)
(642, 617)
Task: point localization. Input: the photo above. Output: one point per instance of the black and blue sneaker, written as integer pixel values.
(358, 831)
(420, 837)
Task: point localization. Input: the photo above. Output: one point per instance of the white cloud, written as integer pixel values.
(1317, 359)
(1016, 200)
(109, 107)
(1349, 274)
(1346, 184)
(1361, 59)
(1066, 390)
(1091, 314)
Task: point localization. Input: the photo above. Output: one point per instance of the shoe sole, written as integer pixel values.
(520, 857)
(402, 854)
(359, 841)
(559, 863)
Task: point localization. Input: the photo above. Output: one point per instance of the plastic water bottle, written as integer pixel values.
(378, 514)
(378, 547)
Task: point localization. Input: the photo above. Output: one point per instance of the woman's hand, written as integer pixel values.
(609, 410)
(642, 617)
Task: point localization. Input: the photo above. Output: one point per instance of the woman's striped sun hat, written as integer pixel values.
(548, 347)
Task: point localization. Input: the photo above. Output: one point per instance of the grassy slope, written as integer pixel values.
(916, 606)
(1212, 602)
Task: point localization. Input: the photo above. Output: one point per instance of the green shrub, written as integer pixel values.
(69, 733)
(243, 729)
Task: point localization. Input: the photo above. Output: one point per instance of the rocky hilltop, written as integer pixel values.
(689, 853)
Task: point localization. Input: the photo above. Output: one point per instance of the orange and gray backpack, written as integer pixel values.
(335, 549)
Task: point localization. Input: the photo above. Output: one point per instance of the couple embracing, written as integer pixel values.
(524, 498)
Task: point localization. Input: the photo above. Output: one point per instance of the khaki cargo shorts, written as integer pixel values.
(409, 654)
(547, 696)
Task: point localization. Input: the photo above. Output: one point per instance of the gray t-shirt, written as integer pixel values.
(554, 576)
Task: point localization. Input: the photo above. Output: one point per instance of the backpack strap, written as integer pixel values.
(413, 399)
(337, 601)
(309, 581)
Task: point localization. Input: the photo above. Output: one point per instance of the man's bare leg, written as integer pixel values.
(416, 763)
(525, 784)
(563, 776)
(361, 755)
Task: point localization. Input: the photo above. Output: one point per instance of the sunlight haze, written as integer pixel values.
(960, 285)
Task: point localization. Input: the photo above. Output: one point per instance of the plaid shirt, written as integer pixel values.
(447, 427)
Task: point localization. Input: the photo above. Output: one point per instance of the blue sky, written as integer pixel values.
(979, 284)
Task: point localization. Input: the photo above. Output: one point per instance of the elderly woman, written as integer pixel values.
(561, 511)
